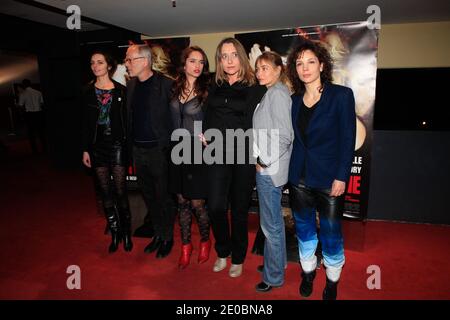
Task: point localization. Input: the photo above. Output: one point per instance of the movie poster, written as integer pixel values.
(353, 47)
(166, 59)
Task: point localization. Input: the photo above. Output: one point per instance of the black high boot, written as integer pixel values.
(146, 229)
(330, 291)
(113, 222)
(125, 223)
(306, 287)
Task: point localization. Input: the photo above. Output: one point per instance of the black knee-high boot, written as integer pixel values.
(125, 223)
(114, 227)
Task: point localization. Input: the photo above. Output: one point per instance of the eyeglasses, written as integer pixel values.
(226, 56)
(129, 60)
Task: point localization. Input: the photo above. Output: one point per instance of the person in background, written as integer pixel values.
(31, 100)
(324, 121)
(273, 136)
(104, 145)
(188, 180)
(231, 101)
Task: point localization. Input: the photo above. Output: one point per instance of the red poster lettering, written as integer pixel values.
(353, 185)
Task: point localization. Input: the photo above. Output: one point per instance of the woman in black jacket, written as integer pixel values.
(229, 107)
(104, 141)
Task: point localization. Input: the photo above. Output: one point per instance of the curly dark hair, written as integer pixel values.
(202, 82)
(110, 61)
(321, 53)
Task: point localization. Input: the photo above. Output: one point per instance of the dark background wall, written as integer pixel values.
(411, 146)
(60, 65)
(410, 176)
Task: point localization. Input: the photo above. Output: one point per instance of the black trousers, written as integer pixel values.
(302, 196)
(230, 183)
(35, 130)
(152, 174)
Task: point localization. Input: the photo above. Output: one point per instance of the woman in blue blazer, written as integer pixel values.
(324, 122)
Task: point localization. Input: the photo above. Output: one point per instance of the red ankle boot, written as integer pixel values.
(185, 258)
(203, 254)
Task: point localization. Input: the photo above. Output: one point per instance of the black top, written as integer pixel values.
(93, 122)
(232, 106)
(185, 114)
(143, 133)
(104, 100)
(304, 118)
(158, 117)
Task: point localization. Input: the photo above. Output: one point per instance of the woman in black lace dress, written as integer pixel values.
(103, 138)
(187, 179)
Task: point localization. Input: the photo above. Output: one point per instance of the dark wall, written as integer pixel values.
(410, 176)
(58, 52)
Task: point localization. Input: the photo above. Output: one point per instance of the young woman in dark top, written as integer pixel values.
(188, 180)
(231, 101)
(103, 138)
(324, 122)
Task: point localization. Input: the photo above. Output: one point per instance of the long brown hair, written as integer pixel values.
(246, 74)
(322, 55)
(201, 83)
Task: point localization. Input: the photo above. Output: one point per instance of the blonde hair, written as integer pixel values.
(161, 62)
(275, 60)
(245, 74)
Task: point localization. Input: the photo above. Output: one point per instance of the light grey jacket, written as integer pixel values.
(273, 133)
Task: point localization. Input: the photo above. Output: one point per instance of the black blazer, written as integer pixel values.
(161, 120)
(118, 115)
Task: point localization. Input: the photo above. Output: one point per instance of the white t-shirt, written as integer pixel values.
(31, 99)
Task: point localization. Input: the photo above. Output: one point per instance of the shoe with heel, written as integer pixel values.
(114, 227)
(125, 222)
(204, 249)
(185, 258)
(220, 264)
(235, 270)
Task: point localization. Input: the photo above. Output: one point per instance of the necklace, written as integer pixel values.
(187, 97)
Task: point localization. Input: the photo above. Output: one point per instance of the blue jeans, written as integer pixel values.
(272, 225)
(305, 201)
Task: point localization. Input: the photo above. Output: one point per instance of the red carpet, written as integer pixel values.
(49, 221)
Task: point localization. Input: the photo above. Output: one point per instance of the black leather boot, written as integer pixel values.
(125, 221)
(146, 229)
(164, 249)
(153, 245)
(306, 287)
(113, 223)
(330, 291)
